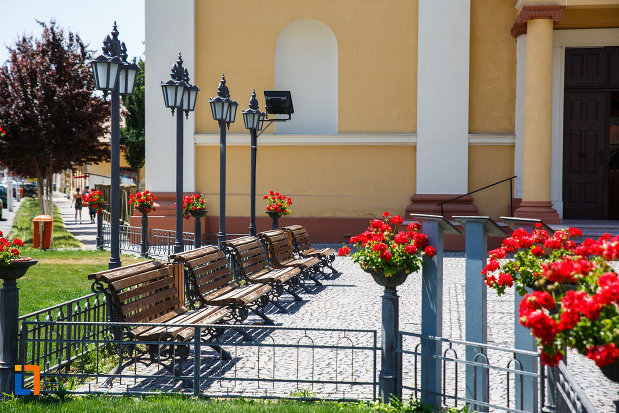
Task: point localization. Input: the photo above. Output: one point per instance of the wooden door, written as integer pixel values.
(585, 160)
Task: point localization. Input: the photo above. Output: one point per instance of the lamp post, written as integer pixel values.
(224, 112)
(114, 75)
(254, 119)
(179, 94)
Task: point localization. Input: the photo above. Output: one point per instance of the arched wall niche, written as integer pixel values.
(306, 64)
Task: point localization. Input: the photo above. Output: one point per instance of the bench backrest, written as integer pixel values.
(279, 247)
(300, 237)
(207, 270)
(139, 292)
(249, 255)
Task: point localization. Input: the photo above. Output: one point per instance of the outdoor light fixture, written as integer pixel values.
(113, 74)
(105, 70)
(253, 117)
(179, 94)
(222, 107)
(279, 102)
(128, 73)
(224, 112)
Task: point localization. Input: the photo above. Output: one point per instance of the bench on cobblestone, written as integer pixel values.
(147, 292)
(209, 281)
(250, 258)
(281, 255)
(303, 246)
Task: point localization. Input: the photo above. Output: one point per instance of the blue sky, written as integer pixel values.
(92, 20)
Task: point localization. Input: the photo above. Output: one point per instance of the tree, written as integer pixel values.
(47, 107)
(132, 135)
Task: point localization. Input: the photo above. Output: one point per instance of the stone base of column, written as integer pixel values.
(538, 210)
(427, 204)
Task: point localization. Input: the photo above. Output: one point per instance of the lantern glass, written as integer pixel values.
(251, 119)
(189, 99)
(126, 79)
(105, 72)
(217, 108)
(260, 121)
(171, 94)
(232, 112)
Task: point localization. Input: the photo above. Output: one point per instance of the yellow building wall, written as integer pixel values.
(487, 165)
(333, 181)
(492, 71)
(377, 57)
(594, 18)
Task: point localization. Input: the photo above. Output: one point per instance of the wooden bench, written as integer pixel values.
(209, 281)
(250, 258)
(303, 246)
(281, 255)
(146, 292)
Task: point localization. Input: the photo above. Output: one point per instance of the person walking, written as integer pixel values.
(78, 200)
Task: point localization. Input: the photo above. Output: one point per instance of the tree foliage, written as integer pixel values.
(132, 135)
(47, 107)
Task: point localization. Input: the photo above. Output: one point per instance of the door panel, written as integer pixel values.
(585, 164)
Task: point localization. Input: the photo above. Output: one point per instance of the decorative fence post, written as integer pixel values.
(144, 238)
(9, 310)
(99, 238)
(523, 339)
(434, 226)
(477, 229)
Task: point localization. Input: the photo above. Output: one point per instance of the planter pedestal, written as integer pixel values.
(275, 217)
(9, 311)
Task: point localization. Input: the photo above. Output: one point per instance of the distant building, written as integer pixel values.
(399, 105)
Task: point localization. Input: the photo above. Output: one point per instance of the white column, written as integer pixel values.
(443, 96)
(170, 30)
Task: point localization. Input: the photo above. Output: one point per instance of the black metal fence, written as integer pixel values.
(88, 309)
(570, 398)
(160, 242)
(277, 362)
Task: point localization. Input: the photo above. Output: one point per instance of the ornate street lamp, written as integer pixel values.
(254, 120)
(224, 112)
(179, 95)
(114, 75)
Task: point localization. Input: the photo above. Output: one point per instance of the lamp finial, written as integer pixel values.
(222, 89)
(253, 102)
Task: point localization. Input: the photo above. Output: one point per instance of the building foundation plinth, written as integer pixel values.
(539, 210)
(428, 204)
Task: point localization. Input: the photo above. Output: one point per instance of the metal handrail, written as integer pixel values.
(511, 201)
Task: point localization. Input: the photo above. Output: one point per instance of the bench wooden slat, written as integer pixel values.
(109, 276)
(149, 313)
(192, 254)
(205, 288)
(147, 300)
(153, 286)
(153, 275)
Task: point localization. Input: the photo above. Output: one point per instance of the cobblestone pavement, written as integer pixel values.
(353, 301)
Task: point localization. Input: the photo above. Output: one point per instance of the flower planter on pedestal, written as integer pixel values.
(197, 228)
(611, 371)
(275, 217)
(9, 310)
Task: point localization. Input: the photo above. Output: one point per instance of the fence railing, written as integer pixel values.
(570, 398)
(495, 380)
(279, 362)
(160, 242)
(91, 308)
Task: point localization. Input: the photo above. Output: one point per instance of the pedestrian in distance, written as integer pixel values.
(78, 200)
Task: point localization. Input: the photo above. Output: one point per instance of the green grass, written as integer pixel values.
(174, 404)
(22, 226)
(60, 276)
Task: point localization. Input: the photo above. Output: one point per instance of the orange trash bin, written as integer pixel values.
(42, 231)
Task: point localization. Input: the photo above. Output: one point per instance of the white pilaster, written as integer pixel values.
(521, 54)
(443, 96)
(170, 30)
